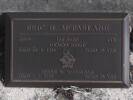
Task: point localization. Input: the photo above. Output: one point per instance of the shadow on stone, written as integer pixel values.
(2, 48)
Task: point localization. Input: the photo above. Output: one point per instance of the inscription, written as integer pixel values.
(68, 27)
(86, 74)
(62, 56)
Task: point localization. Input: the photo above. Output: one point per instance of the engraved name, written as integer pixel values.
(68, 27)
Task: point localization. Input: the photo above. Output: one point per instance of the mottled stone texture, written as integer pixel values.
(65, 6)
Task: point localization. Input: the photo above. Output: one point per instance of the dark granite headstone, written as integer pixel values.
(63, 49)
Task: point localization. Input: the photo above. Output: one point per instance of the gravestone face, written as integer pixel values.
(65, 6)
(63, 49)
